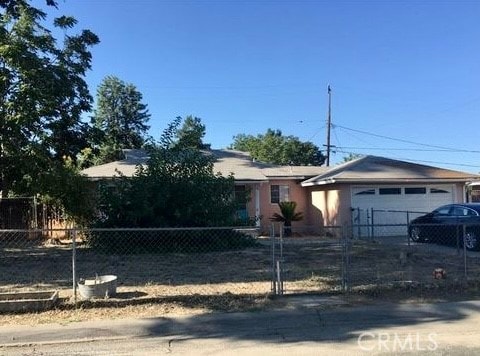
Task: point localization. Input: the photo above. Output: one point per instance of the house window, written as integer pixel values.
(390, 191)
(279, 193)
(415, 190)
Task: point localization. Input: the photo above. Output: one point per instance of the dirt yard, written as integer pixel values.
(159, 284)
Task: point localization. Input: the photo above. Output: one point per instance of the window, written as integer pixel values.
(438, 191)
(444, 210)
(366, 192)
(462, 211)
(241, 198)
(415, 190)
(470, 212)
(279, 193)
(241, 195)
(390, 191)
(458, 211)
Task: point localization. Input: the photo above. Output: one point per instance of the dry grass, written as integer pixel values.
(161, 284)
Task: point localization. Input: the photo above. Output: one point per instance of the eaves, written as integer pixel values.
(330, 181)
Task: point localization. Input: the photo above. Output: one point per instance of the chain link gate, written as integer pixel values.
(277, 260)
(309, 263)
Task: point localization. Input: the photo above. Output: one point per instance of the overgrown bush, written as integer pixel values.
(126, 241)
(177, 187)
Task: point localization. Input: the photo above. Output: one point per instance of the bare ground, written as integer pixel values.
(162, 284)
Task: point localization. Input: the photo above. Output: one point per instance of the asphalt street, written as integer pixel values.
(304, 326)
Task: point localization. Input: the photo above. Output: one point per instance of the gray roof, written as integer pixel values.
(367, 169)
(373, 169)
(238, 163)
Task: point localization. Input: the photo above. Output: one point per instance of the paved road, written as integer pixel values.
(305, 326)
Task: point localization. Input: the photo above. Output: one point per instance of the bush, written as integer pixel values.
(126, 241)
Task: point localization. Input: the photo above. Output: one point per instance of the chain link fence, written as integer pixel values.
(30, 262)
(147, 262)
(337, 261)
(168, 262)
(218, 261)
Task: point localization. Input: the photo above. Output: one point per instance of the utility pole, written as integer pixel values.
(329, 123)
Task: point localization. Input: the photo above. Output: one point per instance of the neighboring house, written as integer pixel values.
(327, 196)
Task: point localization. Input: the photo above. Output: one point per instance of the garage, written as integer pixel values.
(380, 191)
(397, 204)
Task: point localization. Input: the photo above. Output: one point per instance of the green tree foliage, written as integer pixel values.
(191, 133)
(273, 147)
(177, 188)
(42, 96)
(351, 157)
(120, 119)
(71, 191)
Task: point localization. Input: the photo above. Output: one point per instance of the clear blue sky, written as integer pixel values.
(408, 70)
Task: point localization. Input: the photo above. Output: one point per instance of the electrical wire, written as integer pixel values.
(400, 149)
(450, 149)
(433, 148)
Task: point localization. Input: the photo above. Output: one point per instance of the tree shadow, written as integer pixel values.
(321, 324)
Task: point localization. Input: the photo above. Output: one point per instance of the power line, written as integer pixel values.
(433, 148)
(407, 149)
(406, 141)
(444, 163)
(341, 150)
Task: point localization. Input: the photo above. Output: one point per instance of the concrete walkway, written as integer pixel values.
(306, 326)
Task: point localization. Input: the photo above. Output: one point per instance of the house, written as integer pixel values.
(265, 184)
(348, 194)
(327, 196)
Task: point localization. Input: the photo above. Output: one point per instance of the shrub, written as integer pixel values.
(127, 241)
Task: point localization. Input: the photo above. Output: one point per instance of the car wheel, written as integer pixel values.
(415, 234)
(472, 242)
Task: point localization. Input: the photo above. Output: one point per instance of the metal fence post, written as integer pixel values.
(74, 266)
(35, 216)
(280, 263)
(373, 225)
(465, 253)
(458, 238)
(359, 221)
(345, 260)
(274, 285)
(408, 223)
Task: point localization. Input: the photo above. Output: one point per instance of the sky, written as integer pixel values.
(405, 75)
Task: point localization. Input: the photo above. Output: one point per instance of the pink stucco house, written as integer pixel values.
(327, 196)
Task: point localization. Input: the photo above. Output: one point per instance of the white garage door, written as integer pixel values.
(390, 204)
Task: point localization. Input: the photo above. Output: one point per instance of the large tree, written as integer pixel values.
(120, 119)
(273, 147)
(42, 97)
(191, 133)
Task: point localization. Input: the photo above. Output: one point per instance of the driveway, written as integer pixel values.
(433, 247)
